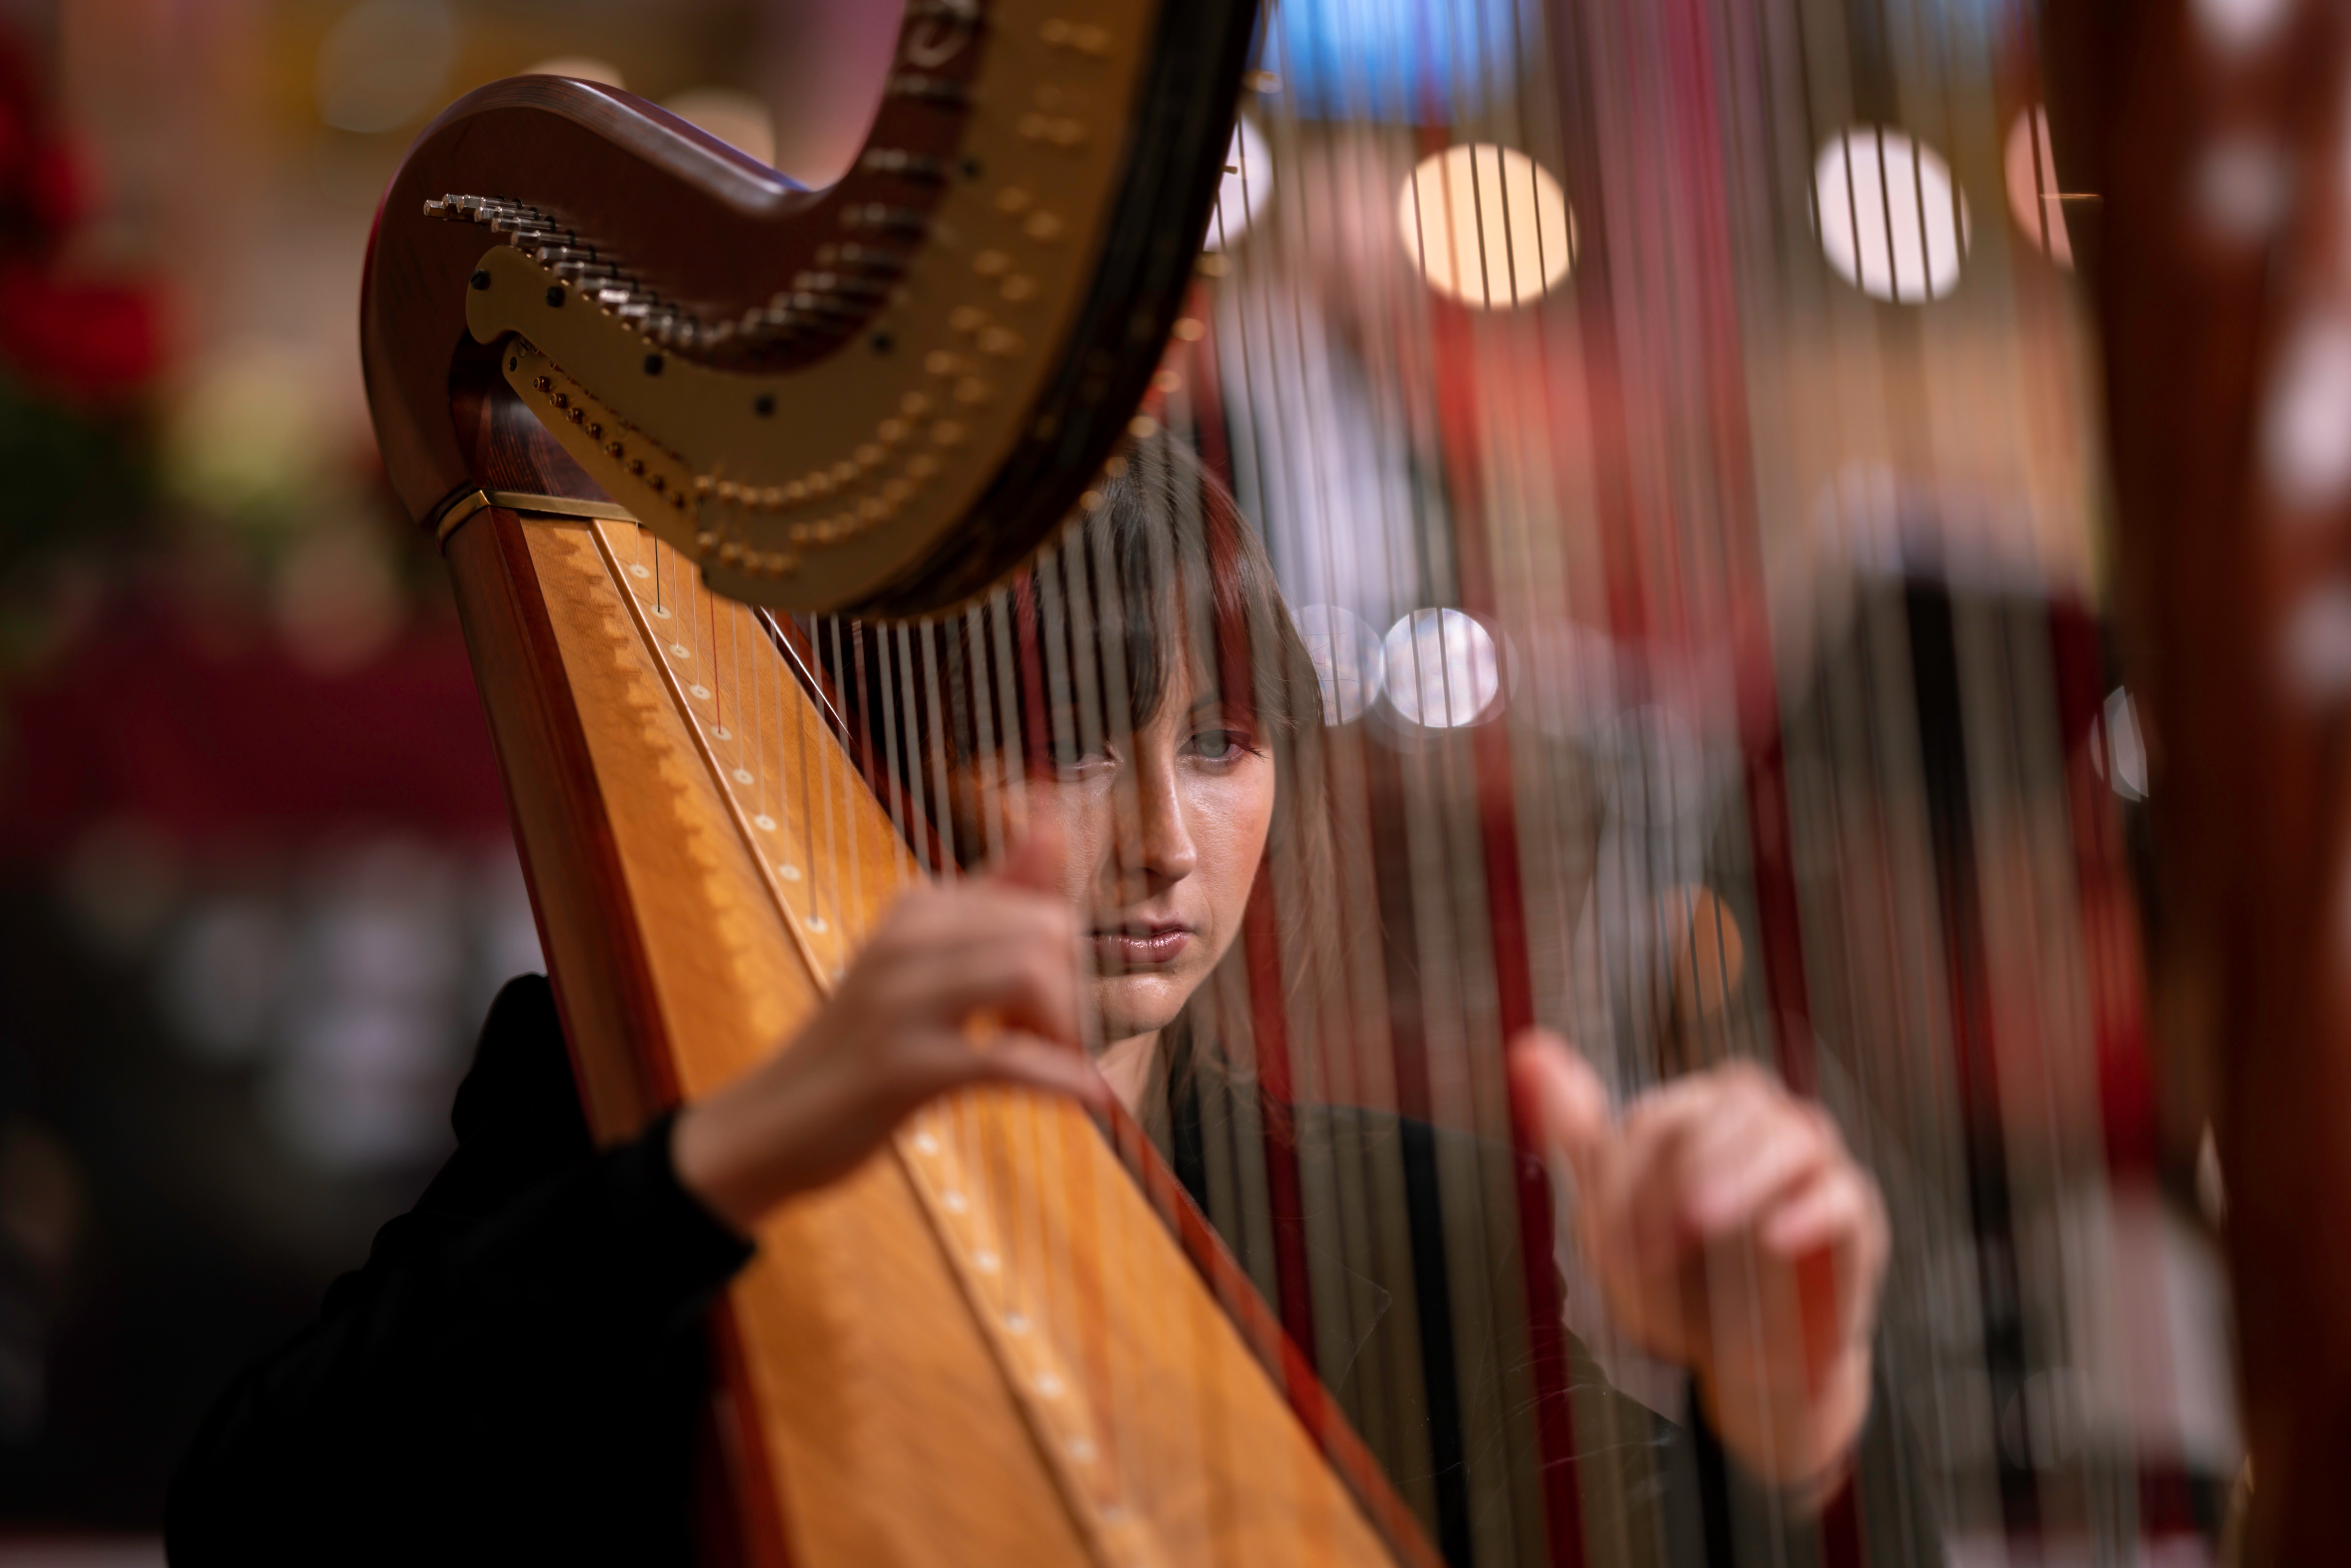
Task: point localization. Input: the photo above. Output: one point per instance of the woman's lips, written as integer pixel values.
(1127, 948)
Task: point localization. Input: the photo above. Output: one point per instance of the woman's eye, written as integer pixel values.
(1219, 744)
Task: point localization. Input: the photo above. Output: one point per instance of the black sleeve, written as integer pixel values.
(516, 1372)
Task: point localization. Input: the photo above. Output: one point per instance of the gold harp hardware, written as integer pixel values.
(525, 503)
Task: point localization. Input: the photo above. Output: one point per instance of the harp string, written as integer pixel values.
(831, 628)
(1075, 720)
(1099, 623)
(1078, 726)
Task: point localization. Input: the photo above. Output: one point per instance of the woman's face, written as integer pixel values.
(1165, 830)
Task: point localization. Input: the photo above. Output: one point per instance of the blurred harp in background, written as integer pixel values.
(1673, 427)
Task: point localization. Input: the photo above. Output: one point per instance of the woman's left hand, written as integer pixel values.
(1731, 1233)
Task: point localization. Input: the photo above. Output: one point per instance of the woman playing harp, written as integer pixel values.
(1100, 768)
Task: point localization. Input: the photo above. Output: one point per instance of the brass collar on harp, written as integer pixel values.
(455, 514)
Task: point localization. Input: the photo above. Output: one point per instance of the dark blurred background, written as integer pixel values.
(256, 885)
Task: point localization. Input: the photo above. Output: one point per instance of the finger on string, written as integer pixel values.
(1726, 1193)
(1738, 1124)
(1010, 979)
(1833, 1209)
(1645, 1199)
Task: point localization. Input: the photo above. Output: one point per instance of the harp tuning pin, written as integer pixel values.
(878, 217)
(917, 168)
(872, 259)
(945, 91)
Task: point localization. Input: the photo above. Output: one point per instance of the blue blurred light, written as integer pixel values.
(1420, 61)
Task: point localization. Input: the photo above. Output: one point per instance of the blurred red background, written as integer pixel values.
(256, 881)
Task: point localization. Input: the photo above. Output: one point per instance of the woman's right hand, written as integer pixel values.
(962, 984)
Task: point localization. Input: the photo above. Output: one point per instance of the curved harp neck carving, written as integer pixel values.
(913, 374)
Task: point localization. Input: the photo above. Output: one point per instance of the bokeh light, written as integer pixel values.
(1247, 185)
(1441, 668)
(1892, 222)
(1487, 225)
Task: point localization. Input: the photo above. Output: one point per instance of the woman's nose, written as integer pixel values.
(1156, 846)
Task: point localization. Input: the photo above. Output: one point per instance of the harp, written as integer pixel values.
(1711, 663)
(588, 329)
